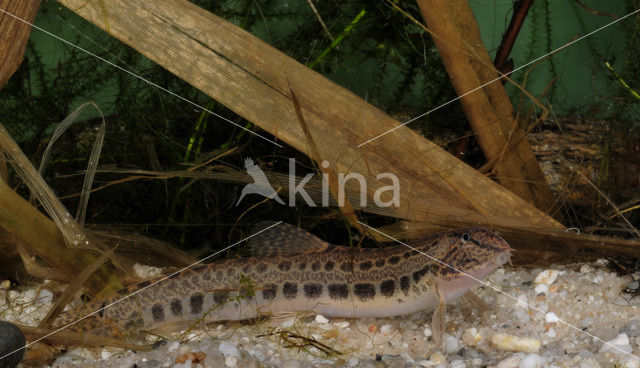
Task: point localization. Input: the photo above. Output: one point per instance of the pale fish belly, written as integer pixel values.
(344, 303)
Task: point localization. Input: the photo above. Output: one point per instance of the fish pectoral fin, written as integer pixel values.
(438, 323)
(474, 300)
(283, 239)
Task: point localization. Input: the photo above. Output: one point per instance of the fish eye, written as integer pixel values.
(465, 237)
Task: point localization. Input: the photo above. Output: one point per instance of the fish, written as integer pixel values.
(291, 271)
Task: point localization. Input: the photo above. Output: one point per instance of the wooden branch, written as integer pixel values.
(250, 77)
(520, 11)
(41, 235)
(489, 110)
(14, 34)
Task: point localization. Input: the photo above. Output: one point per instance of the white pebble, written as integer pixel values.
(522, 315)
(173, 346)
(428, 332)
(353, 362)
(321, 319)
(458, 363)
(532, 361)
(229, 349)
(631, 363)
(585, 268)
(586, 322)
(29, 295)
(386, 329)
(45, 296)
(509, 362)
(342, 324)
(471, 336)
(546, 277)
(451, 345)
(504, 341)
(551, 333)
(620, 341)
(522, 301)
(541, 288)
(551, 317)
(437, 358)
(230, 361)
(146, 272)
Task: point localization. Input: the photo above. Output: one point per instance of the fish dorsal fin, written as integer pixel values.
(283, 239)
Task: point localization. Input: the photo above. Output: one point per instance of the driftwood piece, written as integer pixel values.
(489, 110)
(14, 34)
(252, 79)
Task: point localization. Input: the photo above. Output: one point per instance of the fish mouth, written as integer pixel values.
(454, 286)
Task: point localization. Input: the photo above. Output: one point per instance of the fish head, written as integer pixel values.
(466, 256)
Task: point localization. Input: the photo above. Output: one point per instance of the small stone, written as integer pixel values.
(342, 324)
(213, 358)
(173, 346)
(522, 302)
(437, 358)
(532, 361)
(321, 319)
(151, 363)
(11, 339)
(373, 328)
(458, 363)
(621, 342)
(632, 328)
(541, 288)
(547, 277)
(45, 297)
(509, 342)
(551, 317)
(146, 272)
(471, 336)
(631, 363)
(394, 361)
(428, 332)
(469, 354)
(5, 284)
(229, 349)
(523, 315)
(386, 329)
(509, 362)
(451, 345)
(585, 268)
(231, 361)
(586, 322)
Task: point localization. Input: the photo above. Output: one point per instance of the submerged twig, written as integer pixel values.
(293, 340)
